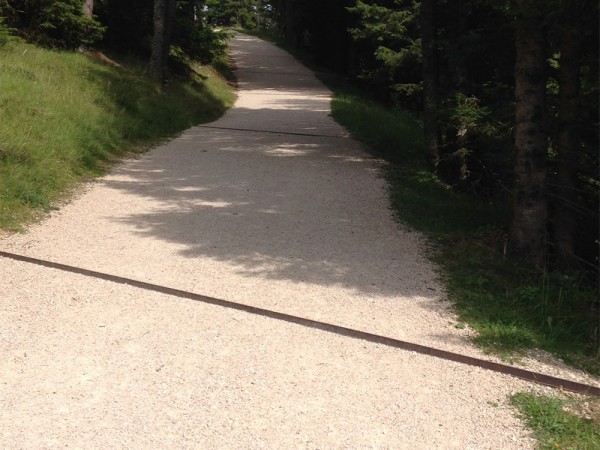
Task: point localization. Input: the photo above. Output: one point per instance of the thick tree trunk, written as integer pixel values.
(164, 15)
(290, 28)
(528, 231)
(88, 8)
(568, 142)
(430, 126)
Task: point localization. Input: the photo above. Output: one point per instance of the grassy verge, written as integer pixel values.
(64, 116)
(560, 423)
(511, 308)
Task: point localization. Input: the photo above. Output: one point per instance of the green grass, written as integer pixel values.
(515, 309)
(559, 423)
(65, 117)
(390, 133)
(512, 308)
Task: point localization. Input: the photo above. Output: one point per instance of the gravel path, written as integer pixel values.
(273, 206)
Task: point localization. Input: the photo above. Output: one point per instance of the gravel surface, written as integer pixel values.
(273, 206)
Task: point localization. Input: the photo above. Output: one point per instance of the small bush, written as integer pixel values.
(198, 42)
(52, 23)
(63, 25)
(5, 34)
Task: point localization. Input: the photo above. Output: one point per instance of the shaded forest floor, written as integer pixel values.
(512, 308)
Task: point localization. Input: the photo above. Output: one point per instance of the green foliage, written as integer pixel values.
(63, 25)
(54, 23)
(514, 309)
(475, 62)
(474, 93)
(130, 27)
(388, 48)
(223, 68)
(5, 34)
(475, 136)
(198, 41)
(554, 426)
(464, 113)
(63, 117)
(246, 14)
(394, 134)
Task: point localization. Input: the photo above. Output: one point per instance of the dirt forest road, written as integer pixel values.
(272, 206)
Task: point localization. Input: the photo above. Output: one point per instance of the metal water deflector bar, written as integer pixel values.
(286, 133)
(527, 375)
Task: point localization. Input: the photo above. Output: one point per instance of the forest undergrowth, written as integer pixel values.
(513, 309)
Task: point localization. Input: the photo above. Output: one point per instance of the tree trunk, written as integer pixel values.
(430, 126)
(88, 8)
(568, 142)
(458, 71)
(290, 31)
(528, 230)
(164, 14)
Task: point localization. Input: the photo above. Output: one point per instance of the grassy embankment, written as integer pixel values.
(65, 117)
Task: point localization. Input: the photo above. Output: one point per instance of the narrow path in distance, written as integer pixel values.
(272, 206)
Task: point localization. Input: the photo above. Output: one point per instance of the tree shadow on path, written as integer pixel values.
(277, 206)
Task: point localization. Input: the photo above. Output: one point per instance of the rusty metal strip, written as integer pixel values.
(527, 375)
(251, 130)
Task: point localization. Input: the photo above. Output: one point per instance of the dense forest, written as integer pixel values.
(507, 91)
